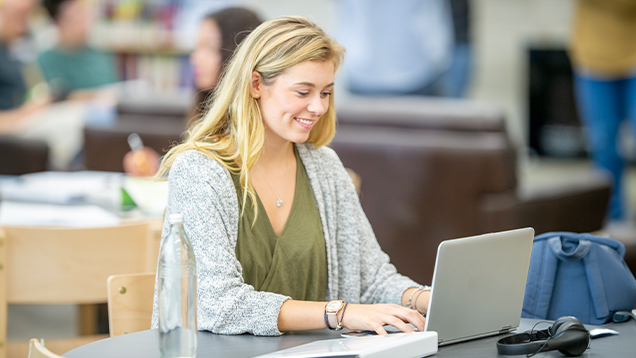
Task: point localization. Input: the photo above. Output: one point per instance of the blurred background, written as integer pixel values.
(494, 60)
(511, 42)
(151, 40)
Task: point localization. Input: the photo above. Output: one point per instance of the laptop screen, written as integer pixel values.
(478, 285)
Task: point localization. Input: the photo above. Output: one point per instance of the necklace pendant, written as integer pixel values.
(279, 203)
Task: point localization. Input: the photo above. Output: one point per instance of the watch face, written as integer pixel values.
(334, 306)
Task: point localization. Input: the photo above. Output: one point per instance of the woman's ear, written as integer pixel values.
(255, 89)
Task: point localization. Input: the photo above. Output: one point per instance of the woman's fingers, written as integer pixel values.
(379, 329)
(406, 315)
(413, 317)
(374, 317)
(399, 324)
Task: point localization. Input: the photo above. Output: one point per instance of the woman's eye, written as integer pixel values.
(302, 93)
(325, 94)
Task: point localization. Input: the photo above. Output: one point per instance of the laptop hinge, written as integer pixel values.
(505, 329)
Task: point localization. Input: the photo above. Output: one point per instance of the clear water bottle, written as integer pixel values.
(177, 293)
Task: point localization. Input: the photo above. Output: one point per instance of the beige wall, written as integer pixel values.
(502, 31)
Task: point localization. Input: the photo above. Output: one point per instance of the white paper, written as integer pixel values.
(34, 214)
(65, 188)
(150, 196)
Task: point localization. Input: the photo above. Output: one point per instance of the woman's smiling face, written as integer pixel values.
(295, 100)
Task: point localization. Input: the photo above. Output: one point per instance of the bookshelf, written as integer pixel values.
(142, 35)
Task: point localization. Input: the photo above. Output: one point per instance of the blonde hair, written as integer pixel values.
(231, 130)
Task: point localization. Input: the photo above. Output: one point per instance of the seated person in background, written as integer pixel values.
(218, 36)
(275, 222)
(14, 15)
(73, 65)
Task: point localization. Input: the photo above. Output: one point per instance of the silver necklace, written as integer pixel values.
(279, 202)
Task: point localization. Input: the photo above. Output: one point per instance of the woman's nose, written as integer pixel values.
(318, 105)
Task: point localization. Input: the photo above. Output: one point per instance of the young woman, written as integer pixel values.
(219, 34)
(273, 216)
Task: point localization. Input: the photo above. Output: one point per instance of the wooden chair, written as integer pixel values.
(50, 265)
(130, 302)
(38, 350)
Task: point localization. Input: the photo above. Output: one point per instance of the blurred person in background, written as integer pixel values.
(14, 16)
(454, 82)
(218, 36)
(395, 48)
(72, 64)
(603, 54)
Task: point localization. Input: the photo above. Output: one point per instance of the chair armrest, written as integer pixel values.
(577, 206)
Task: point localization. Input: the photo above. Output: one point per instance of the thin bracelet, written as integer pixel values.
(339, 326)
(416, 297)
(408, 303)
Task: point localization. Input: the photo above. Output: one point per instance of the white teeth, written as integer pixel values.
(304, 121)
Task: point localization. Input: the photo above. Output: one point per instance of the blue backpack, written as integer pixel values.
(578, 275)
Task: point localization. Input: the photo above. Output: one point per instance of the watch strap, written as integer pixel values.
(331, 318)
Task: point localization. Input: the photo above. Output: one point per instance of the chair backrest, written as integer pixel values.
(21, 156)
(417, 191)
(38, 350)
(418, 112)
(130, 302)
(68, 265)
(157, 132)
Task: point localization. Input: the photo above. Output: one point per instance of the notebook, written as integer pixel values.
(478, 285)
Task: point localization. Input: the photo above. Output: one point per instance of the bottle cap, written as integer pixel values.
(175, 219)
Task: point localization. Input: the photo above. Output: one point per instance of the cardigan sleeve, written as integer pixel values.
(202, 190)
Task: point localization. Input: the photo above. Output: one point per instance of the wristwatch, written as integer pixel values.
(331, 314)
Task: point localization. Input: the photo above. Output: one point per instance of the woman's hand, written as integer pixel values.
(373, 317)
(142, 163)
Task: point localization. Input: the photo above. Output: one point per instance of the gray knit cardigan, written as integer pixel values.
(358, 271)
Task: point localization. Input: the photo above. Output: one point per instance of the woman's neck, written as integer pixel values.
(276, 156)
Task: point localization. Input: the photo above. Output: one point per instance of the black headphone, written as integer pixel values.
(567, 334)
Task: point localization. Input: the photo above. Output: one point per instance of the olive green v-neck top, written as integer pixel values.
(293, 264)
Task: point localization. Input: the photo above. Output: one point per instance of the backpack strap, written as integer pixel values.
(541, 277)
(594, 280)
(615, 245)
(581, 249)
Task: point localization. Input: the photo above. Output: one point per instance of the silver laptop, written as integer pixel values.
(478, 285)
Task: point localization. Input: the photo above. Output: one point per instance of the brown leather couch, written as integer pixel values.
(159, 124)
(426, 179)
(22, 156)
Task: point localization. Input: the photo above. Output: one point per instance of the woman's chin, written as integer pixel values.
(299, 138)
